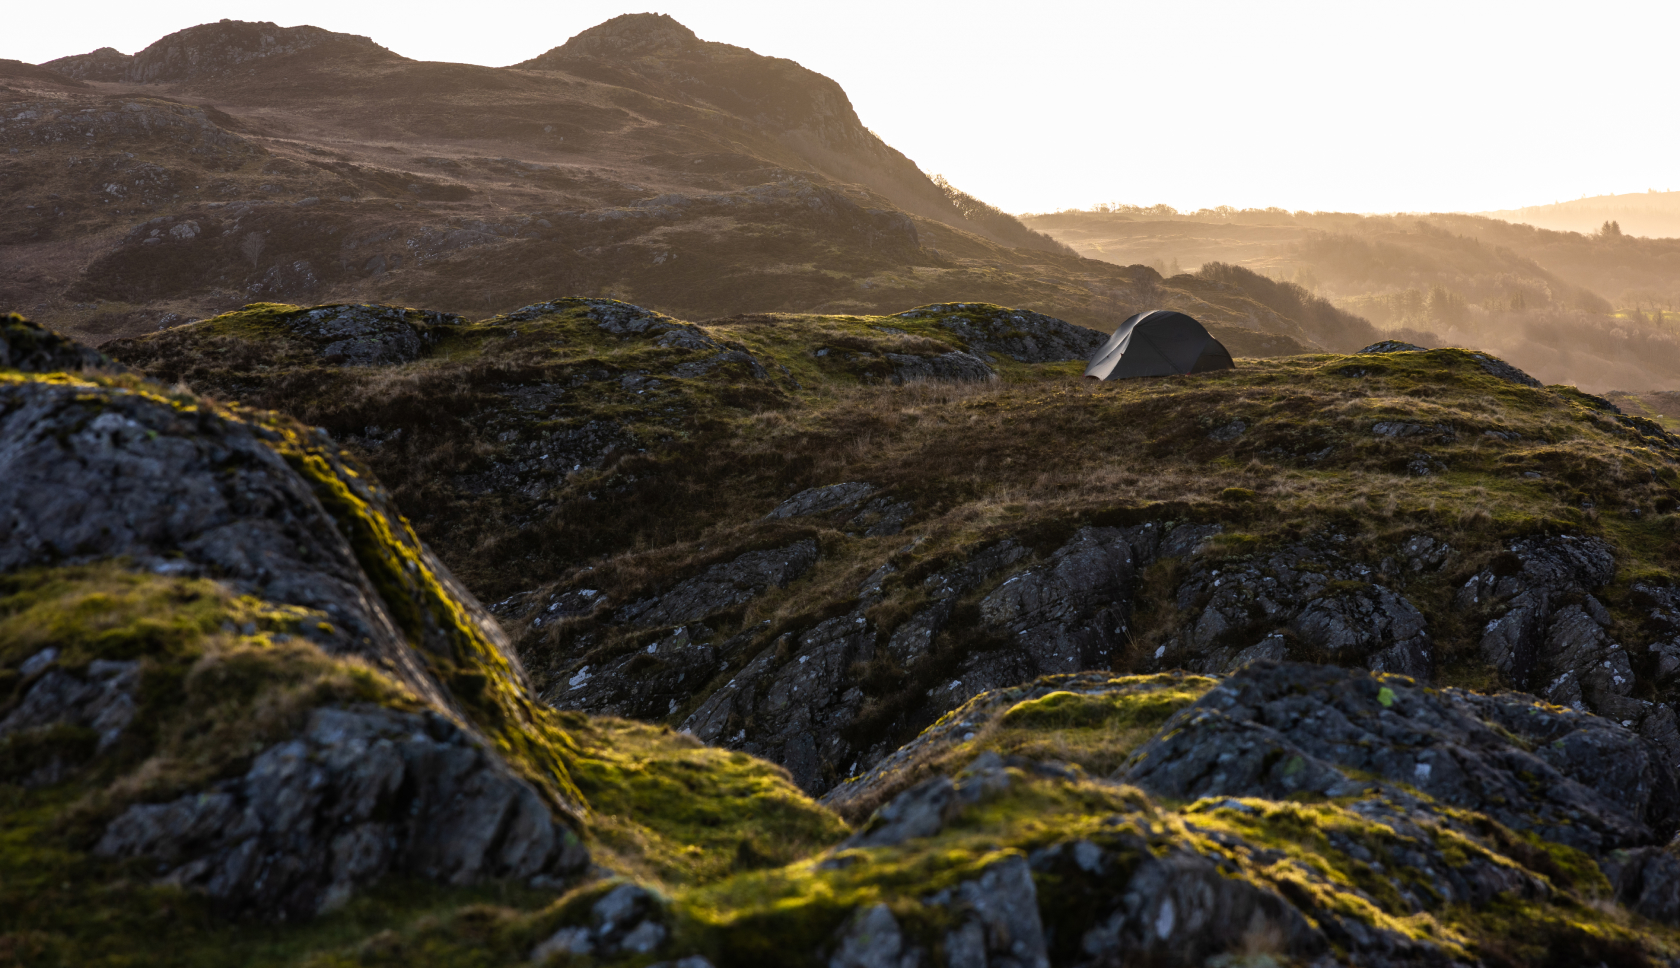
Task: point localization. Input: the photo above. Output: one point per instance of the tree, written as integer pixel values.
(1611, 230)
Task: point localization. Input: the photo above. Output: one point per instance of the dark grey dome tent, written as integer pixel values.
(1158, 343)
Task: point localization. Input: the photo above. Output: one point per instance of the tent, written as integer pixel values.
(1158, 343)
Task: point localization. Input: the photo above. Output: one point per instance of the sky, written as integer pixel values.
(1036, 107)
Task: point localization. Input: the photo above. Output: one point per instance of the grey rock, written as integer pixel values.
(688, 337)
(38, 662)
(1269, 649)
(882, 517)
(794, 701)
(1647, 880)
(1272, 730)
(643, 938)
(361, 793)
(574, 940)
(1397, 428)
(625, 920)
(369, 335)
(650, 683)
(920, 811)
(1559, 651)
(621, 318)
(1334, 609)
(1424, 465)
(1229, 432)
(1505, 371)
(1394, 346)
(1163, 907)
(1001, 925)
(818, 500)
(1025, 337)
(955, 367)
(1383, 629)
(101, 700)
(873, 939)
(1094, 567)
(1064, 616)
(100, 473)
(702, 367)
(1425, 552)
(722, 586)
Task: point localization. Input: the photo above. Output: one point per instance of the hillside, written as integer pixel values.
(1595, 310)
(234, 162)
(1652, 214)
(664, 508)
(221, 687)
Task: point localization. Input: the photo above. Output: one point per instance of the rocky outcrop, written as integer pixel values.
(996, 922)
(361, 793)
(1425, 781)
(33, 348)
(1546, 632)
(1025, 337)
(90, 473)
(1280, 730)
(1176, 908)
(956, 367)
(107, 480)
(627, 921)
(370, 335)
(100, 699)
(723, 585)
(818, 500)
(797, 700)
(1394, 346)
(1495, 366)
(850, 508)
(1305, 600)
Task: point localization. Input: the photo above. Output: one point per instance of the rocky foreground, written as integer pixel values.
(248, 717)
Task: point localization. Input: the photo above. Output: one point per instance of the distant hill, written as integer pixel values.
(1601, 310)
(1651, 214)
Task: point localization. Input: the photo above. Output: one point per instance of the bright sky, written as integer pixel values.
(1466, 105)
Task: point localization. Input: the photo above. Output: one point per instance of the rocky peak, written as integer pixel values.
(104, 64)
(228, 46)
(631, 33)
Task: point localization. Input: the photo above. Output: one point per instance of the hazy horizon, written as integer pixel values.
(1315, 107)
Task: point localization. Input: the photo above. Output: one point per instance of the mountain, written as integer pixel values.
(1209, 666)
(1595, 310)
(238, 162)
(1652, 214)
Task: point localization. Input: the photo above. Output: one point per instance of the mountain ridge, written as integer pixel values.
(389, 180)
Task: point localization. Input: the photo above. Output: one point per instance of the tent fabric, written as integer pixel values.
(1158, 343)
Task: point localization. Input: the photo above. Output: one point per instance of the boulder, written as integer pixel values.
(361, 793)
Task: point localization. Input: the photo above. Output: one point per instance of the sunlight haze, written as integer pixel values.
(1351, 107)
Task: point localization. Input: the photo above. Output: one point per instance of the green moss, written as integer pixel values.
(670, 810)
